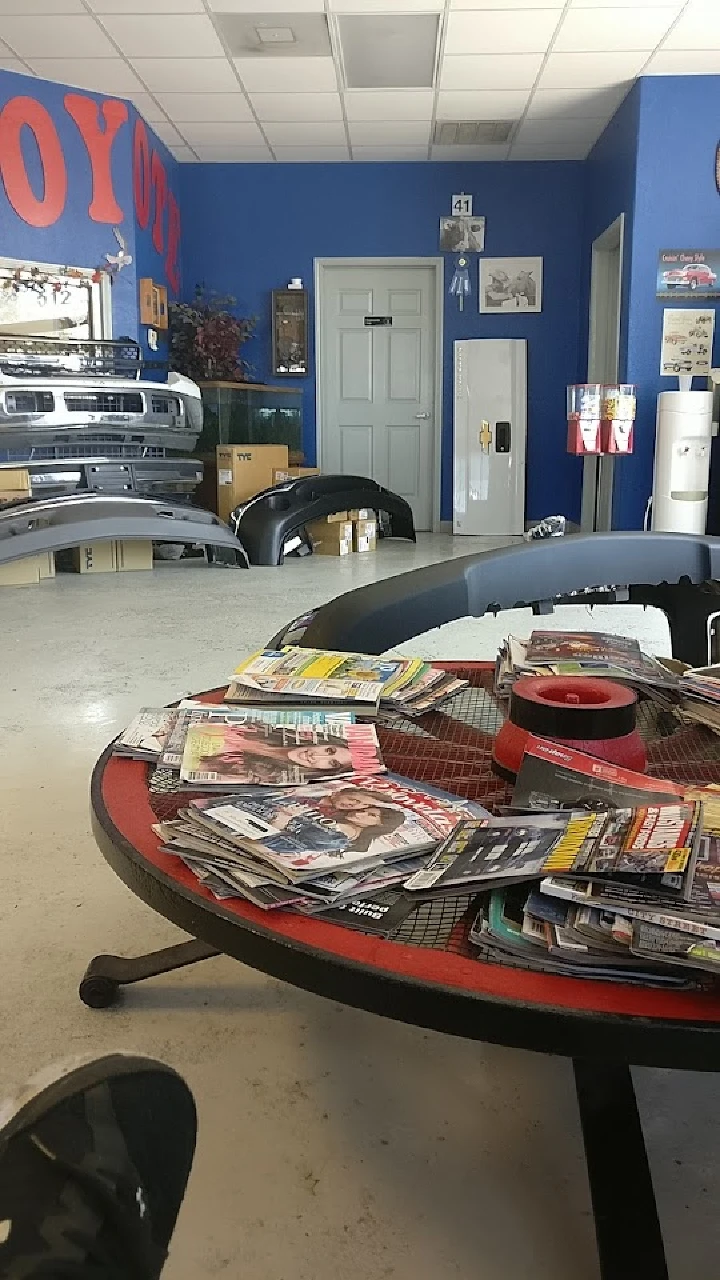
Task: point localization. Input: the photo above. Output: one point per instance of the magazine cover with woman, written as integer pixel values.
(334, 825)
(226, 756)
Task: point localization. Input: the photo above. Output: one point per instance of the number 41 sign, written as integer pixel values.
(461, 204)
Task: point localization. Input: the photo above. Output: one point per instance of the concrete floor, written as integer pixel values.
(332, 1142)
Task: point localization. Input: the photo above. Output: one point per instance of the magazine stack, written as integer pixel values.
(283, 799)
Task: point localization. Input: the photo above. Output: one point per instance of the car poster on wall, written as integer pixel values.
(687, 341)
(688, 273)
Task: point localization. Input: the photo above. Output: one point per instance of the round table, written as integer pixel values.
(431, 976)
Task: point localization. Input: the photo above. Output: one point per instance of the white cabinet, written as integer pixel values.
(490, 422)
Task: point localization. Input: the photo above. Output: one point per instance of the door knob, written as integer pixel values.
(422, 415)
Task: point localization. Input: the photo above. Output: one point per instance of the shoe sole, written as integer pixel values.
(64, 1080)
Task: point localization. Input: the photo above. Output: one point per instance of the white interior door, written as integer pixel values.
(377, 372)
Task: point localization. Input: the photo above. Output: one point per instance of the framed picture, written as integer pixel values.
(463, 234)
(510, 285)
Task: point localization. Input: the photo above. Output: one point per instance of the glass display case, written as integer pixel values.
(249, 413)
(289, 332)
(246, 413)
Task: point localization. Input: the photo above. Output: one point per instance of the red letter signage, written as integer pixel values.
(159, 181)
(141, 173)
(38, 212)
(84, 111)
(172, 267)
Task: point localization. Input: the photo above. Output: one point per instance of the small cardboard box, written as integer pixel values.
(331, 539)
(46, 565)
(93, 557)
(361, 513)
(20, 573)
(243, 470)
(281, 474)
(12, 495)
(15, 478)
(364, 535)
(132, 554)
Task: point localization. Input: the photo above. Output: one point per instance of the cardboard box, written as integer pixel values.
(331, 539)
(14, 478)
(132, 554)
(361, 513)
(12, 495)
(93, 557)
(46, 565)
(243, 470)
(20, 573)
(364, 535)
(293, 473)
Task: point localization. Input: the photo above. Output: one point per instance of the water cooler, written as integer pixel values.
(682, 461)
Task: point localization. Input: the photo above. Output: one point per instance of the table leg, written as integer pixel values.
(101, 982)
(627, 1227)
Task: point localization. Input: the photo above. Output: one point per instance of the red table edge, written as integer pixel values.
(123, 785)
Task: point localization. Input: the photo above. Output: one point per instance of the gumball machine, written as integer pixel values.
(584, 414)
(618, 418)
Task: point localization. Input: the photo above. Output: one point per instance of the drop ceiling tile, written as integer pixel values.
(186, 75)
(99, 75)
(192, 107)
(684, 62)
(698, 28)
(267, 6)
(329, 133)
(490, 71)
(628, 4)
(311, 155)
(386, 6)
(156, 36)
(184, 154)
(287, 75)
(589, 103)
(168, 134)
(503, 4)
(41, 8)
(369, 133)
(14, 64)
(146, 6)
(591, 30)
(569, 130)
(481, 104)
(226, 153)
(400, 104)
(147, 107)
(589, 70)
(485, 152)
(222, 132)
(390, 154)
(297, 106)
(55, 37)
(500, 31)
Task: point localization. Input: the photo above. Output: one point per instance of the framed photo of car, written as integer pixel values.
(688, 273)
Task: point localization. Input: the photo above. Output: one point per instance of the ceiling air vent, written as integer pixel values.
(470, 133)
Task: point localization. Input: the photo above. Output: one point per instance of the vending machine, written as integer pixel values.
(490, 421)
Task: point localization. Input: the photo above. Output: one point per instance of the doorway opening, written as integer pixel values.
(603, 364)
(378, 331)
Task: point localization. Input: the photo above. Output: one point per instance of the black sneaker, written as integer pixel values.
(93, 1167)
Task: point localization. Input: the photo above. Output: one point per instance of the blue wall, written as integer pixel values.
(249, 228)
(676, 204)
(74, 238)
(610, 178)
